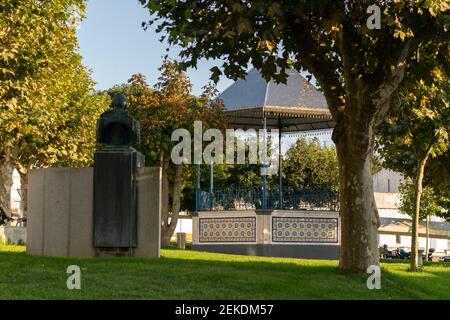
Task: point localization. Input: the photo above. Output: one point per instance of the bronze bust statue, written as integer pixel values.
(116, 127)
(115, 182)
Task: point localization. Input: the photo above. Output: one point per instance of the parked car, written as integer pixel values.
(403, 254)
(445, 259)
(399, 253)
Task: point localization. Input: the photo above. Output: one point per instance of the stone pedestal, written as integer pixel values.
(61, 207)
(115, 198)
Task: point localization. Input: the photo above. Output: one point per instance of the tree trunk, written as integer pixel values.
(415, 219)
(176, 204)
(164, 199)
(358, 212)
(6, 182)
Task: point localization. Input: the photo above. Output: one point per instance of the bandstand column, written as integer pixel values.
(211, 184)
(280, 158)
(197, 189)
(264, 195)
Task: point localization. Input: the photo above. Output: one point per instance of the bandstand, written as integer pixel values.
(279, 221)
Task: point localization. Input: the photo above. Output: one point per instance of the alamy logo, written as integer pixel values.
(374, 280)
(374, 20)
(235, 148)
(74, 280)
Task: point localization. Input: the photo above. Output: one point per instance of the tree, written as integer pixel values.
(47, 101)
(430, 204)
(438, 178)
(438, 175)
(358, 69)
(34, 36)
(160, 111)
(74, 106)
(419, 129)
(310, 165)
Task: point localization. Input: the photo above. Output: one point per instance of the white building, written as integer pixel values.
(387, 181)
(395, 227)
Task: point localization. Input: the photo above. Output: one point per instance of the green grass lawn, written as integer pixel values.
(196, 275)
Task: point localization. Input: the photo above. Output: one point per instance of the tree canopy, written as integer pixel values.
(420, 125)
(48, 104)
(419, 130)
(429, 204)
(309, 165)
(329, 38)
(38, 41)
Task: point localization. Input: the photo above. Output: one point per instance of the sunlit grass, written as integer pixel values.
(185, 274)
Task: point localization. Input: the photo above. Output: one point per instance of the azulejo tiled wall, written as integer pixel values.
(306, 230)
(233, 229)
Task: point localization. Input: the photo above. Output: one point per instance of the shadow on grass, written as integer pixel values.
(181, 274)
(201, 259)
(240, 262)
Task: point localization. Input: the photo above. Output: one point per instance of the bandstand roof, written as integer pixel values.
(298, 104)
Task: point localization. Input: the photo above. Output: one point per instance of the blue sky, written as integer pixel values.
(114, 46)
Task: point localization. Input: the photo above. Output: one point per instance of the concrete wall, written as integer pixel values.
(387, 200)
(60, 212)
(149, 212)
(13, 235)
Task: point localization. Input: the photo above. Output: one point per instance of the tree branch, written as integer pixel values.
(324, 70)
(382, 97)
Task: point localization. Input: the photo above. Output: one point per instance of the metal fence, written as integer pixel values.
(235, 198)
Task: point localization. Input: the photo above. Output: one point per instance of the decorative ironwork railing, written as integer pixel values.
(248, 199)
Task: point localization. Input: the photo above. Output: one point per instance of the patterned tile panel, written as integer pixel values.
(306, 230)
(233, 229)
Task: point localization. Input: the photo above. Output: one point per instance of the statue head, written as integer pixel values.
(116, 127)
(119, 101)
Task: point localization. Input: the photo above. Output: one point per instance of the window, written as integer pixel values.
(398, 239)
